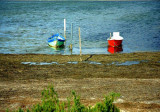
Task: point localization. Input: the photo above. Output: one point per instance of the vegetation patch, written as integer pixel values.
(50, 103)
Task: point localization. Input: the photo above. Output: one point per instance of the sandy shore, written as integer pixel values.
(24, 76)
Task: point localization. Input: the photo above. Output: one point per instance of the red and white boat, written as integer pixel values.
(115, 40)
(113, 50)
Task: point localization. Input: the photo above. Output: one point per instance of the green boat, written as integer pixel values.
(56, 41)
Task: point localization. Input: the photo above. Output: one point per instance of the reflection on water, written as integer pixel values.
(115, 49)
(57, 50)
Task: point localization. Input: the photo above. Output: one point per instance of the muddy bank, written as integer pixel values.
(13, 69)
(139, 83)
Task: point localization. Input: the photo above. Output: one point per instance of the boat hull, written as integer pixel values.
(56, 41)
(114, 43)
(56, 44)
(113, 50)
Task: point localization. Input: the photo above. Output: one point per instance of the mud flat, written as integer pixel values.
(134, 75)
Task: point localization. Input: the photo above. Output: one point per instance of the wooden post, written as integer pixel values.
(71, 35)
(70, 46)
(80, 44)
(71, 32)
(65, 28)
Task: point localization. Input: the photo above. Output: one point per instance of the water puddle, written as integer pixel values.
(89, 62)
(38, 63)
(51, 63)
(93, 62)
(72, 62)
(126, 63)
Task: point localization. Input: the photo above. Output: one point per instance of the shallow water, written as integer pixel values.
(126, 63)
(51, 63)
(25, 26)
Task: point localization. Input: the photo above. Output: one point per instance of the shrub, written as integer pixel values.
(50, 103)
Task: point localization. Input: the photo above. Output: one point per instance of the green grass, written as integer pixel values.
(50, 103)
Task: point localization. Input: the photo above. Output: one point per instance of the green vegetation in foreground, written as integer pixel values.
(51, 103)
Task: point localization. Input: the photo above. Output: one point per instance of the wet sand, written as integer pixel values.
(93, 78)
